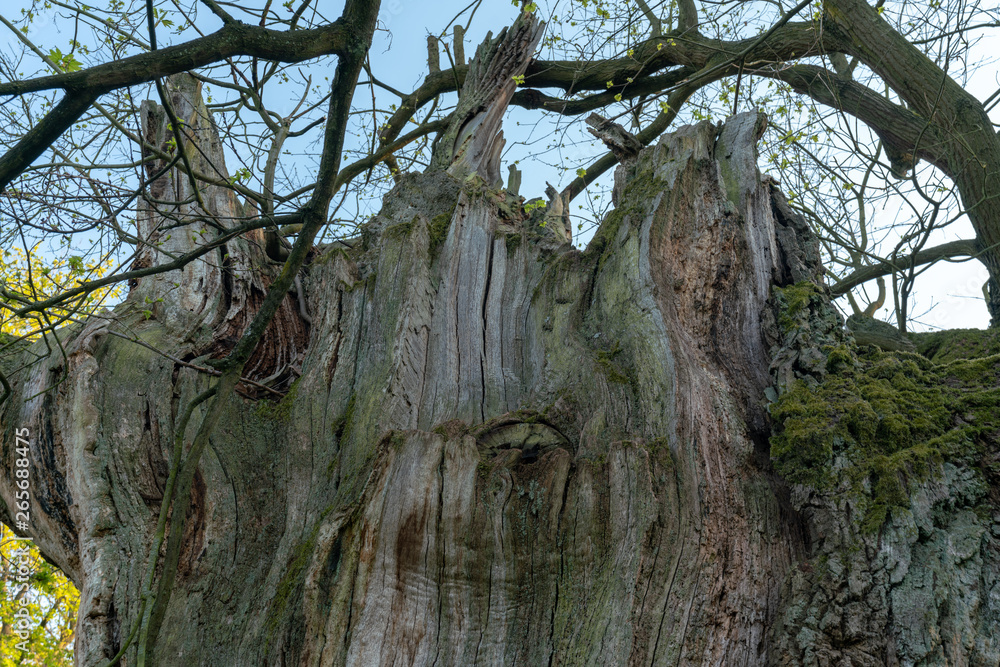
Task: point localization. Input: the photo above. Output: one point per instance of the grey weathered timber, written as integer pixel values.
(209, 301)
(500, 450)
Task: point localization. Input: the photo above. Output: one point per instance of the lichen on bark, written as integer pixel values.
(893, 456)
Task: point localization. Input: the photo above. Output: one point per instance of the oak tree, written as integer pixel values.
(445, 434)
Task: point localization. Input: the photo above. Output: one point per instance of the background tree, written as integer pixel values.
(51, 599)
(446, 434)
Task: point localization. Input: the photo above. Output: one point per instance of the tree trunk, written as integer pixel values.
(500, 450)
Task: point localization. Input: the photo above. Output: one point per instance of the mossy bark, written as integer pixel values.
(893, 456)
(496, 452)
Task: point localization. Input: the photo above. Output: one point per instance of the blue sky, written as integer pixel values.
(398, 58)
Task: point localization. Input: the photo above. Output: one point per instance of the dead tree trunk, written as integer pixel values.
(500, 450)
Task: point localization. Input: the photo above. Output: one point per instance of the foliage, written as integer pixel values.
(48, 596)
(33, 276)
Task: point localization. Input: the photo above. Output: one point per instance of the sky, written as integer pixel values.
(398, 58)
(949, 295)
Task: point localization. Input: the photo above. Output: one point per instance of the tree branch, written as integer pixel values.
(179, 263)
(662, 121)
(655, 25)
(530, 98)
(218, 11)
(232, 40)
(961, 248)
(687, 15)
(42, 135)
(786, 40)
(898, 127)
(352, 170)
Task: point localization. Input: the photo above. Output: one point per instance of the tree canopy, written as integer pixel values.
(860, 98)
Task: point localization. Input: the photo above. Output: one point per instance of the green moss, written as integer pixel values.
(887, 475)
(955, 344)
(401, 230)
(437, 232)
(513, 242)
(279, 410)
(640, 193)
(839, 358)
(608, 367)
(330, 254)
(397, 439)
(659, 450)
(658, 444)
(794, 300)
(884, 422)
(291, 583)
(605, 234)
(368, 282)
(342, 423)
(451, 429)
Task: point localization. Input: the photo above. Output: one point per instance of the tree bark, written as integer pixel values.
(500, 450)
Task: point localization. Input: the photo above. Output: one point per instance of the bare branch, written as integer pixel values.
(962, 248)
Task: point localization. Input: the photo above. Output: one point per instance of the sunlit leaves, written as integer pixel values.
(50, 598)
(66, 62)
(35, 277)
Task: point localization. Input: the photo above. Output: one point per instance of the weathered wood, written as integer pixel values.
(501, 450)
(473, 142)
(214, 297)
(619, 140)
(364, 510)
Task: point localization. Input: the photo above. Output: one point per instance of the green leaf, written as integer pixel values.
(70, 63)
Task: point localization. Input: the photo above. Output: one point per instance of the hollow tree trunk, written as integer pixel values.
(500, 450)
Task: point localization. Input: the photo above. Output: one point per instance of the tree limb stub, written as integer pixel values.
(622, 144)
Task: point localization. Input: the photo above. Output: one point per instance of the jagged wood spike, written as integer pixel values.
(513, 180)
(458, 44)
(473, 141)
